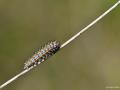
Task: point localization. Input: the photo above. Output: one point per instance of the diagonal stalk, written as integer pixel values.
(67, 42)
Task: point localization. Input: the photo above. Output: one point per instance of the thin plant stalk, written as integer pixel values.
(67, 42)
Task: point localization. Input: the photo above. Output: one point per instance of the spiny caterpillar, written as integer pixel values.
(42, 54)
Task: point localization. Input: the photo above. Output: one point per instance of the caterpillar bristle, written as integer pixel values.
(42, 54)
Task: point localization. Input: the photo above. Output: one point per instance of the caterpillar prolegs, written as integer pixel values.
(42, 54)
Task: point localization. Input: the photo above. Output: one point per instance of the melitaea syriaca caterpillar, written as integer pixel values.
(42, 54)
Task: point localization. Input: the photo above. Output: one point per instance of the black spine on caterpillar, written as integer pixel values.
(42, 54)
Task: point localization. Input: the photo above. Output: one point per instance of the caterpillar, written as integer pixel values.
(43, 54)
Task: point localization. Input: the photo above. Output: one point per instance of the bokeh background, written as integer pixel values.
(91, 62)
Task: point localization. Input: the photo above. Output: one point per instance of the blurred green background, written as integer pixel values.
(91, 62)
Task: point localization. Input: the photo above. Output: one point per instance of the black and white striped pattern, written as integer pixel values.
(43, 54)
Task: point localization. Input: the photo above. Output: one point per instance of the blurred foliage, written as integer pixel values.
(91, 62)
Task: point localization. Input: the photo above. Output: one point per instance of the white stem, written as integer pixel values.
(67, 42)
(91, 24)
(15, 77)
